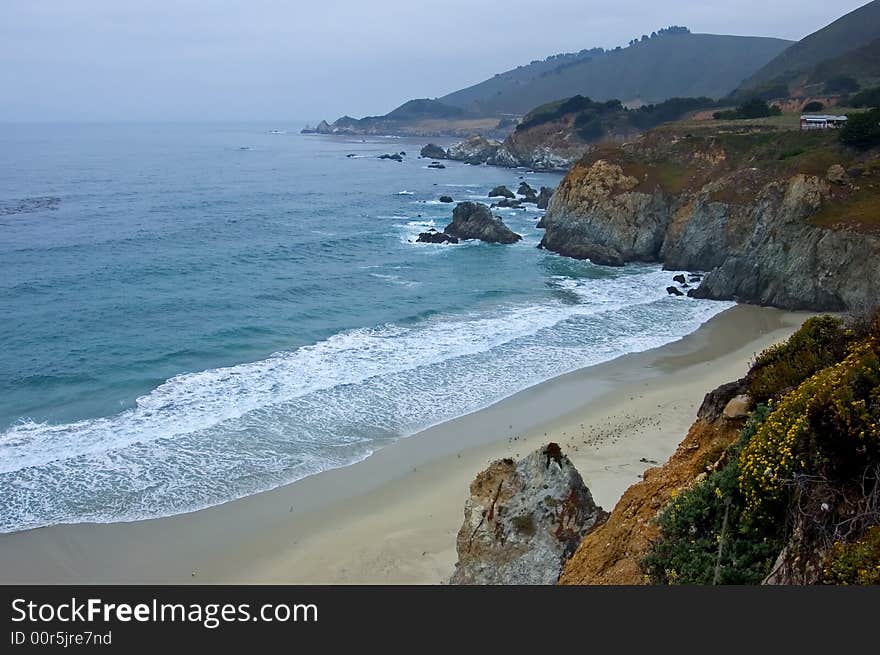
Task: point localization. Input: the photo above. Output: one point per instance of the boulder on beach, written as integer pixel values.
(432, 151)
(501, 191)
(474, 220)
(523, 520)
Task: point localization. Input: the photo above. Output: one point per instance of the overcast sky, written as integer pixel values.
(308, 59)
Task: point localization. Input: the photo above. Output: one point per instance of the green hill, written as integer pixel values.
(836, 49)
(670, 63)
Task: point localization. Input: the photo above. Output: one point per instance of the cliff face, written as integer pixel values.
(613, 552)
(771, 227)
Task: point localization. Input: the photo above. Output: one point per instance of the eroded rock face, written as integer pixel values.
(474, 220)
(598, 207)
(751, 233)
(523, 520)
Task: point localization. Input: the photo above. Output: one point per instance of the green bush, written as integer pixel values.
(862, 130)
(821, 341)
(693, 525)
(857, 562)
(815, 105)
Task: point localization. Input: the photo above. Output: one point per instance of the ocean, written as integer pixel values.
(192, 313)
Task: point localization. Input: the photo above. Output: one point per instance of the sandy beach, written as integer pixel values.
(393, 517)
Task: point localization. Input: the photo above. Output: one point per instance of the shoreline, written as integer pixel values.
(393, 517)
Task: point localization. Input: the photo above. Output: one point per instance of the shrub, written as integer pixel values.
(820, 342)
(828, 429)
(815, 105)
(862, 130)
(857, 562)
(693, 525)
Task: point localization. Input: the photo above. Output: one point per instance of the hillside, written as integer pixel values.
(849, 33)
(673, 63)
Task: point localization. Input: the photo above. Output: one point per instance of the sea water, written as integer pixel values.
(193, 313)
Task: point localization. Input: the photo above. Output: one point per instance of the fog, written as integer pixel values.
(274, 60)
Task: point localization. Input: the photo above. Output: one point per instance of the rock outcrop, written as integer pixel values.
(474, 220)
(544, 197)
(501, 192)
(523, 520)
(692, 205)
(432, 151)
(446, 199)
(474, 150)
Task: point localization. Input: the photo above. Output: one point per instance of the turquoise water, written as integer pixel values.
(193, 313)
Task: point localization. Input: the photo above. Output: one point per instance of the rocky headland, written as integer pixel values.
(775, 218)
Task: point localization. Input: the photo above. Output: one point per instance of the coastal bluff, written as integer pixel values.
(772, 221)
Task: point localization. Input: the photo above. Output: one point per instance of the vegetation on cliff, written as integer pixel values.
(797, 497)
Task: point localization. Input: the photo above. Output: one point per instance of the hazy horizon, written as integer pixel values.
(267, 60)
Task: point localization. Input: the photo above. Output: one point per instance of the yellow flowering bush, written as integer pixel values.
(828, 426)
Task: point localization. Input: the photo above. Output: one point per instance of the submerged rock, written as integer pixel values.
(436, 237)
(523, 520)
(473, 220)
(597, 254)
(395, 156)
(501, 192)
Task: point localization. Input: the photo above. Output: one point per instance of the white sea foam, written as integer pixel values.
(206, 437)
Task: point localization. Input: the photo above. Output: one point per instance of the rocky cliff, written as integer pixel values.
(613, 553)
(776, 218)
